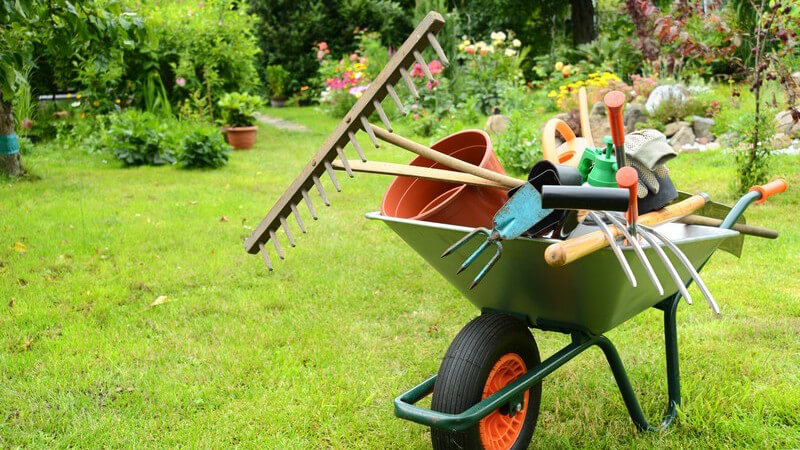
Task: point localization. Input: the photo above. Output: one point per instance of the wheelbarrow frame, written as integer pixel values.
(581, 340)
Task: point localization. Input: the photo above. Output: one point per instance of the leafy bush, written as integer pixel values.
(239, 110)
(204, 148)
(752, 162)
(140, 138)
(517, 148)
(673, 109)
(277, 77)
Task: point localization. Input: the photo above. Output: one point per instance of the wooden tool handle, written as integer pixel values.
(447, 160)
(627, 178)
(428, 173)
(749, 230)
(567, 251)
(614, 101)
(775, 186)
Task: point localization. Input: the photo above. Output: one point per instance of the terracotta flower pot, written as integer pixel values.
(241, 138)
(455, 204)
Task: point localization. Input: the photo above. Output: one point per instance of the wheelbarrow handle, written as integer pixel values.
(775, 186)
(757, 194)
(565, 252)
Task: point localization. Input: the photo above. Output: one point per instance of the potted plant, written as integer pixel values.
(277, 77)
(239, 118)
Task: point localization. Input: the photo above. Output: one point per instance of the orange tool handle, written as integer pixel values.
(775, 186)
(627, 178)
(614, 101)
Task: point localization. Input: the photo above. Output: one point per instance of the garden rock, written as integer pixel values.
(674, 127)
(701, 126)
(598, 121)
(781, 140)
(634, 113)
(786, 124)
(683, 137)
(497, 124)
(665, 92)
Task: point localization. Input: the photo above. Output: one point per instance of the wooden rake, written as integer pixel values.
(356, 119)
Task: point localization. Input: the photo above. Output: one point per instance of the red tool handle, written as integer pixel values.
(627, 178)
(775, 186)
(614, 101)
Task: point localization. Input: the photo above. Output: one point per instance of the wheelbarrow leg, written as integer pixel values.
(669, 306)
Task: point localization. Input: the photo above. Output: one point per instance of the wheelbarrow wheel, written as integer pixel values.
(487, 354)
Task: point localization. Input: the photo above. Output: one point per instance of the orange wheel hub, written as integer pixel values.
(497, 430)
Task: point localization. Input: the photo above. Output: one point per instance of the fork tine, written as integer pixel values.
(309, 204)
(421, 62)
(409, 82)
(368, 128)
(614, 248)
(382, 115)
(473, 256)
(329, 169)
(265, 255)
(463, 240)
(356, 146)
(667, 264)
(639, 252)
(437, 48)
(285, 227)
(395, 98)
(321, 191)
(277, 244)
(296, 214)
(488, 266)
(345, 163)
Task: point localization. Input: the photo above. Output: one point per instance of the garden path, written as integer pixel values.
(281, 124)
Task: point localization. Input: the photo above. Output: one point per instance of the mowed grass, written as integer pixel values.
(312, 355)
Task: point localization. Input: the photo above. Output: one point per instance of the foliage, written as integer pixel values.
(24, 103)
(346, 80)
(203, 147)
(672, 109)
(752, 162)
(289, 29)
(138, 138)
(518, 148)
(239, 110)
(277, 77)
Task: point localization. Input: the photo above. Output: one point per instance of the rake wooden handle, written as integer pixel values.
(749, 230)
(565, 252)
(453, 163)
(427, 173)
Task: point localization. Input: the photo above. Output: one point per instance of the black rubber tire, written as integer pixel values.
(465, 368)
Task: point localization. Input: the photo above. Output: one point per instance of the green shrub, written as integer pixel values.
(518, 148)
(277, 77)
(673, 109)
(204, 148)
(138, 138)
(752, 158)
(239, 110)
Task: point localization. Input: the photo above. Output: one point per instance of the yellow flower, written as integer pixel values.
(69, 95)
(559, 66)
(96, 103)
(78, 96)
(358, 67)
(117, 101)
(552, 94)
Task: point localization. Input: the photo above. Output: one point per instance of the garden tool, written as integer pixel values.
(356, 119)
(428, 173)
(524, 210)
(647, 152)
(560, 221)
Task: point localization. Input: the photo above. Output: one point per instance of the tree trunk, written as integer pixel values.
(10, 165)
(582, 21)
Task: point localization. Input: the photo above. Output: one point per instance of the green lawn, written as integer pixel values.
(311, 355)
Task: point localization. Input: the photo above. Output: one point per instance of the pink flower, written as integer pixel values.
(354, 57)
(180, 81)
(415, 116)
(356, 91)
(320, 54)
(363, 60)
(417, 71)
(432, 84)
(484, 52)
(435, 66)
(414, 107)
(323, 45)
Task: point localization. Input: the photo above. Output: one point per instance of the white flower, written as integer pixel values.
(75, 104)
(510, 52)
(480, 45)
(498, 36)
(516, 43)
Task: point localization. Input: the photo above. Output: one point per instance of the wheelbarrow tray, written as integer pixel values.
(591, 294)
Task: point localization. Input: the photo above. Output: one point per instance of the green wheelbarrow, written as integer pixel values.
(488, 389)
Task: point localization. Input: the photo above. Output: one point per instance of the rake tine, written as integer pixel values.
(463, 240)
(393, 94)
(488, 266)
(345, 163)
(639, 252)
(368, 128)
(285, 227)
(689, 267)
(438, 49)
(615, 248)
(382, 115)
(309, 204)
(421, 62)
(277, 244)
(265, 255)
(296, 214)
(329, 169)
(321, 191)
(353, 140)
(409, 82)
(668, 264)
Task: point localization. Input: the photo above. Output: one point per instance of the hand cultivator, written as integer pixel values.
(563, 235)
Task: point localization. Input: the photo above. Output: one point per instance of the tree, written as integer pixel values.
(582, 18)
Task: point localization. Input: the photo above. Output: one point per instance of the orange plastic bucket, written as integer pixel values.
(437, 201)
